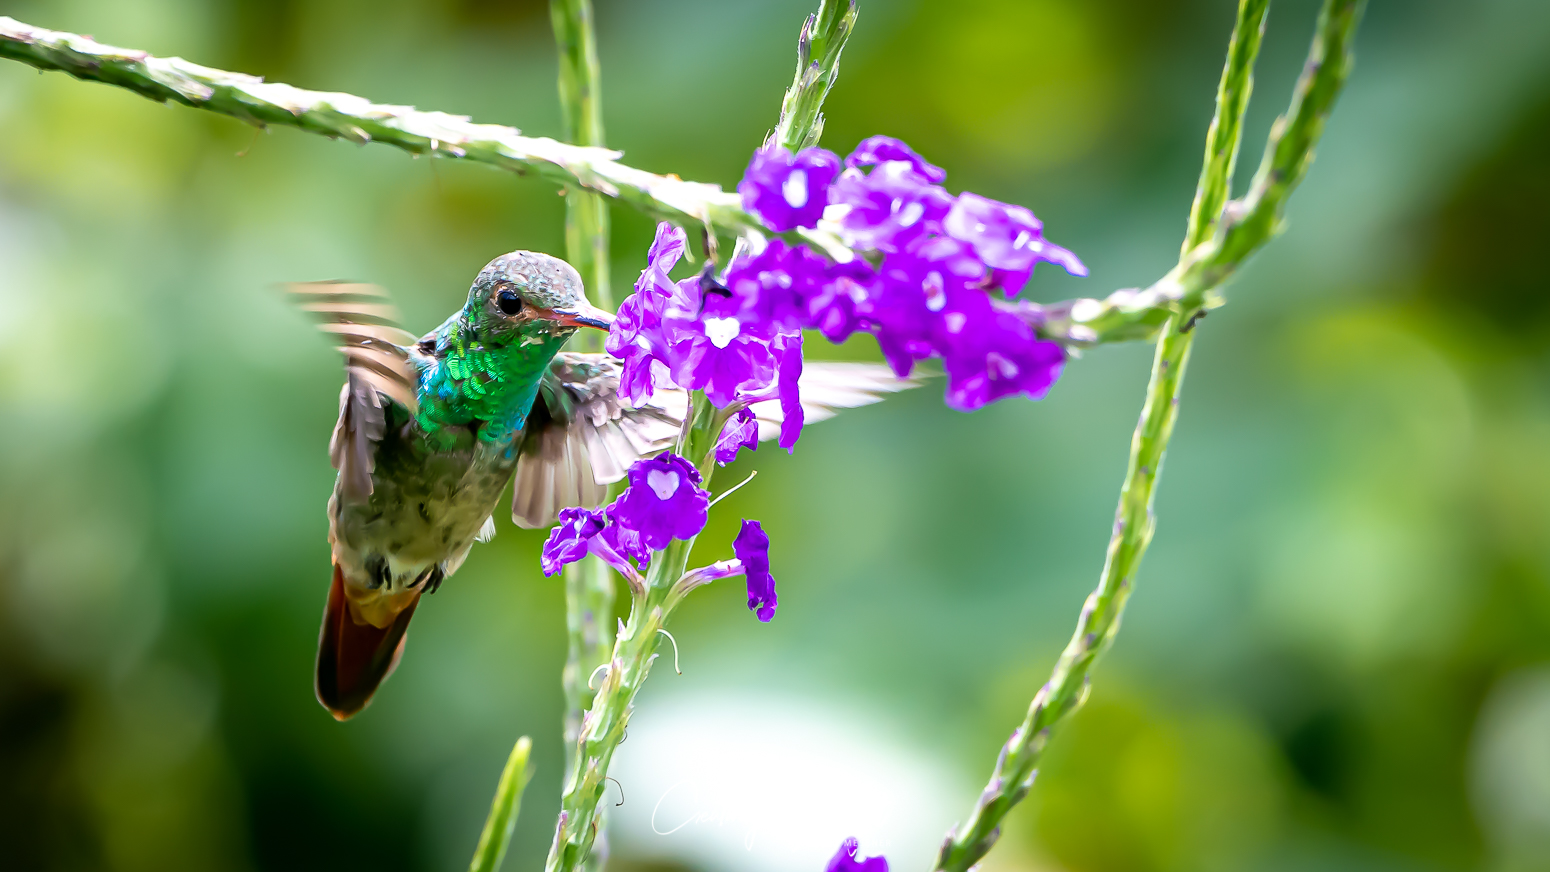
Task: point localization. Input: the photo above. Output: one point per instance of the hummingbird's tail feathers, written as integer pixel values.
(364, 324)
(827, 386)
(354, 658)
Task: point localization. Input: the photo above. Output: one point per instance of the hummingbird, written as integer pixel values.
(432, 430)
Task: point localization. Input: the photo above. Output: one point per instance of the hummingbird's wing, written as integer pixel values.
(581, 436)
(379, 369)
(827, 386)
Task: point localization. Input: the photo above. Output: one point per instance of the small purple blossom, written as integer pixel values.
(637, 336)
(698, 334)
(788, 191)
(766, 290)
(739, 432)
(717, 356)
(880, 149)
(592, 531)
(618, 544)
(846, 860)
(910, 312)
(889, 207)
(999, 357)
(663, 501)
(567, 542)
(752, 548)
(788, 350)
(1007, 238)
(834, 307)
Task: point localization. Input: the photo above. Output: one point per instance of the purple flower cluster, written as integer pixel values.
(924, 287)
(662, 502)
(689, 334)
(845, 860)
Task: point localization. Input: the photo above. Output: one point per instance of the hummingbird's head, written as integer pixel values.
(525, 296)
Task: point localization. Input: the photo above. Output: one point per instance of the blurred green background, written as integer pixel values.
(1338, 654)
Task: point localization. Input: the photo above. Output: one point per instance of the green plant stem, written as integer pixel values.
(1125, 315)
(1213, 223)
(347, 116)
(818, 66)
(589, 583)
(503, 810)
(602, 727)
(589, 609)
(1245, 225)
(581, 104)
(1225, 134)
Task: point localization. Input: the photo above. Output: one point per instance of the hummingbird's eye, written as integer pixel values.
(508, 301)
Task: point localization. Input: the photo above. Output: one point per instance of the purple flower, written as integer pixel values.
(663, 501)
(784, 288)
(847, 861)
(786, 191)
(1007, 239)
(752, 548)
(637, 336)
(788, 349)
(834, 305)
(567, 542)
(994, 355)
(666, 247)
(739, 432)
(922, 289)
(908, 311)
(897, 313)
(715, 355)
(765, 289)
(592, 531)
(880, 149)
(889, 207)
(618, 544)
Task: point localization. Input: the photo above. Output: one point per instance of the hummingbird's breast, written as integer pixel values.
(425, 511)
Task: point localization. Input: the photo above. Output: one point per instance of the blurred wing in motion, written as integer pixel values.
(829, 386)
(580, 436)
(363, 323)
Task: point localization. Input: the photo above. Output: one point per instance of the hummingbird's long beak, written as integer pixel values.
(584, 315)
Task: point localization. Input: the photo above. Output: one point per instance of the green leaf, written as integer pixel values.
(503, 811)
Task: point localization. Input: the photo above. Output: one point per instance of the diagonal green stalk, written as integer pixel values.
(1219, 236)
(347, 116)
(819, 45)
(1124, 315)
(1245, 225)
(503, 810)
(1226, 131)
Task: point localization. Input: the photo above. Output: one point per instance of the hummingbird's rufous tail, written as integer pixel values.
(353, 658)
